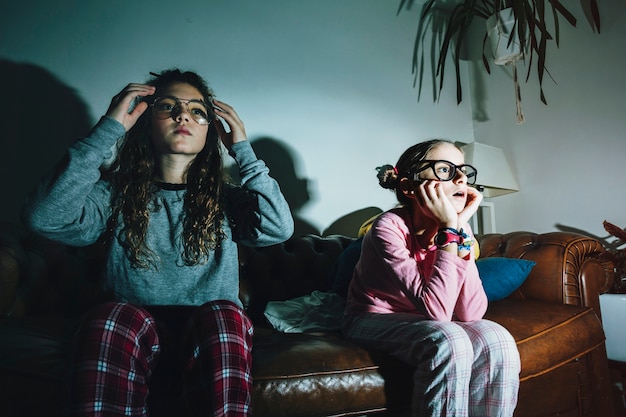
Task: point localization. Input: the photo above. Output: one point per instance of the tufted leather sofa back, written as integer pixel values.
(38, 276)
(291, 269)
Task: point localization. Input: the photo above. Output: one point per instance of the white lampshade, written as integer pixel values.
(494, 172)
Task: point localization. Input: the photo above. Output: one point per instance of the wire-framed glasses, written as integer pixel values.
(446, 171)
(166, 107)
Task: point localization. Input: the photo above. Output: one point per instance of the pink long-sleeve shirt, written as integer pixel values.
(395, 274)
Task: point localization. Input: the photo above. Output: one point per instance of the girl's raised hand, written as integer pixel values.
(237, 130)
(121, 104)
(474, 198)
(436, 204)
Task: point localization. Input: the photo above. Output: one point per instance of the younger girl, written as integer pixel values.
(416, 292)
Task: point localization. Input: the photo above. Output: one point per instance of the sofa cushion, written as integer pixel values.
(502, 276)
(290, 366)
(334, 375)
(539, 328)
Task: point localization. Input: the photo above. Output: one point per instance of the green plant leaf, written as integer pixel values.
(530, 26)
(556, 4)
(595, 15)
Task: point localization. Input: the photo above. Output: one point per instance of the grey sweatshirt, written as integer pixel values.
(73, 206)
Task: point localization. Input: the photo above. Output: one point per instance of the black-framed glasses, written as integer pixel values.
(447, 171)
(166, 107)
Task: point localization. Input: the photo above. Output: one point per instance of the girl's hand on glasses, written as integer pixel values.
(237, 130)
(120, 108)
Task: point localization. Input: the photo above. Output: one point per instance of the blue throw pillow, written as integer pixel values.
(502, 276)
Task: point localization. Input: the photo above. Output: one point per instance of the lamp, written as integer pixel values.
(495, 178)
(494, 173)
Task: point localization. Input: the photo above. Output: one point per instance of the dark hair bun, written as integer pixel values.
(387, 176)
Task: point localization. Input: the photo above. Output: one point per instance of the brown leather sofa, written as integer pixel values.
(554, 317)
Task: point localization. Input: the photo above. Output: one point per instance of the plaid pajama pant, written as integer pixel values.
(461, 368)
(119, 345)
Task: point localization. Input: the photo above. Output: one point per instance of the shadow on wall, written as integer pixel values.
(40, 118)
(282, 164)
(350, 224)
(281, 160)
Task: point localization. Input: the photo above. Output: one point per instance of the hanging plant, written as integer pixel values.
(616, 253)
(449, 22)
(507, 49)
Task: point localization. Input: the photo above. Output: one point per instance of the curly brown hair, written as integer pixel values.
(132, 176)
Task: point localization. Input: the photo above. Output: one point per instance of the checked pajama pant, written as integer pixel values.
(120, 349)
(461, 368)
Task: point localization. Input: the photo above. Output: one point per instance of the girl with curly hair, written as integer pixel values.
(172, 223)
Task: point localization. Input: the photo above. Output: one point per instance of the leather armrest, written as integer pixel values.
(41, 276)
(569, 269)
